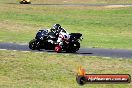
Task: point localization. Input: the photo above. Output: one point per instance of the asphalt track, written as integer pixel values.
(117, 53)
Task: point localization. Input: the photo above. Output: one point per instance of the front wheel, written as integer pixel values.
(32, 44)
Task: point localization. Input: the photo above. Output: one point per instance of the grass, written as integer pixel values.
(74, 1)
(84, 1)
(45, 70)
(101, 27)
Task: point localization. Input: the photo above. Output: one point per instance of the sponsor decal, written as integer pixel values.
(83, 78)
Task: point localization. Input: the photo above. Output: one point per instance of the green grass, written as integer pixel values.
(73, 1)
(45, 70)
(101, 27)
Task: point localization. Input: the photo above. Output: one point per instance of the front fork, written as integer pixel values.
(38, 45)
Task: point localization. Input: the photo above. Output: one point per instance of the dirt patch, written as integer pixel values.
(116, 6)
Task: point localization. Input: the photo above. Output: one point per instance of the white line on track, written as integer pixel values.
(39, 52)
(14, 50)
(25, 51)
(3, 49)
(18, 50)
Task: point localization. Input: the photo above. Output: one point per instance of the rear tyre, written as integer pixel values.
(73, 48)
(76, 47)
(32, 44)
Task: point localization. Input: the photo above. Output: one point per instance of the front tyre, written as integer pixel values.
(32, 44)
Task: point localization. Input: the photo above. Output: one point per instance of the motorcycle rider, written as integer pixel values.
(61, 34)
(56, 29)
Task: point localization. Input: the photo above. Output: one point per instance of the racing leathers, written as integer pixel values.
(63, 36)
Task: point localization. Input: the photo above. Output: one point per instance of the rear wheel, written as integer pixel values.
(73, 47)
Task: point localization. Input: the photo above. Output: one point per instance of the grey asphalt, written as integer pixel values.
(115, 53)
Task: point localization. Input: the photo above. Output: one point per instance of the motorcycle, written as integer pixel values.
(48, 41)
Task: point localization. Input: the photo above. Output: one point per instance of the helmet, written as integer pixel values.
(56, 28)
